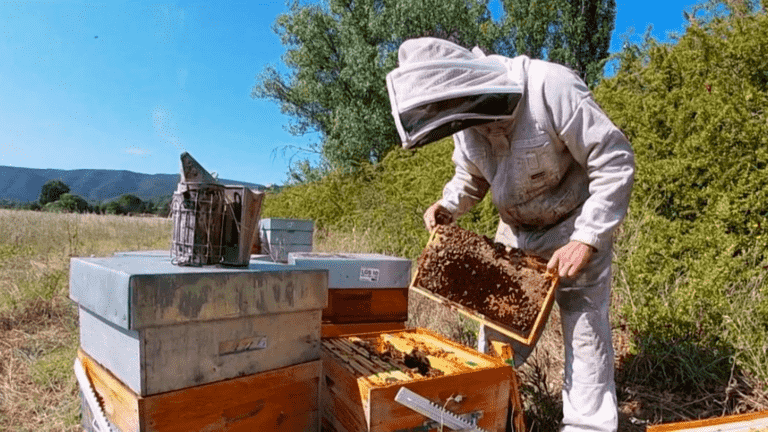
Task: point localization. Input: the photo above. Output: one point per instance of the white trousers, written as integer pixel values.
(589, 391)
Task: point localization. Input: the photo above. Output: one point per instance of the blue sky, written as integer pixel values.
(130, 85)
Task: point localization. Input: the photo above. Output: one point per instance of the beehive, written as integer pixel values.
(359, 384)
(159, 327)
(285, 399)
(504, 288)
(366, 292)
(279, 237)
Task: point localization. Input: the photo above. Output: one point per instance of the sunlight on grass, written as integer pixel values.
(38, 322)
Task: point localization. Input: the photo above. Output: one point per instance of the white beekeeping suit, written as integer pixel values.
(558, 169)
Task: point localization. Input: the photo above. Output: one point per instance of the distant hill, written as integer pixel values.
(24, 184)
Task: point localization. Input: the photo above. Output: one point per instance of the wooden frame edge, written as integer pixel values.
(713, 422)
(538, 325)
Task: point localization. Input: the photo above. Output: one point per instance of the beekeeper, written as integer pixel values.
(560, 174)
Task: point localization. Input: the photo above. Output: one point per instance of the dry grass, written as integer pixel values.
(38, 323)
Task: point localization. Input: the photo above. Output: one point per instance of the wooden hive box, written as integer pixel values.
(366, 292)
(506, 289)
(160, 327)
(285, 399)
(278, 237)
(358, 389)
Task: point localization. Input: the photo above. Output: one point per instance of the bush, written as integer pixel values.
(73, 203)
(695, 114)
(386, 200)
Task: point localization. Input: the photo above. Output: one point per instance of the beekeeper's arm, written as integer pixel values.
(464, 190)
(603, 150)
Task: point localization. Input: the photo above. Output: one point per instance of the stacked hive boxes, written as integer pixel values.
(172, 348)
(366, 292)
(279, 237)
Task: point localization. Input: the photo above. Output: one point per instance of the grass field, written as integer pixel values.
(38, 323)
(38, 331)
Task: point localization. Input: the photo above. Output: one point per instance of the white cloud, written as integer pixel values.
(136, 151)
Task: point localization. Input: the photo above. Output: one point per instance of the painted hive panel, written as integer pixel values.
(159, 359)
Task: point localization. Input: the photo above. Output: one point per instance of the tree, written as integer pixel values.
(73, 203)
(113, 208)
(339, 53)
(575, 33)
(52, 190)
(130, 204)
(695, 114)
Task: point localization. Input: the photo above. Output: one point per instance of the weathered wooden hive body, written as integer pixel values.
(159, 329)
(279, 237)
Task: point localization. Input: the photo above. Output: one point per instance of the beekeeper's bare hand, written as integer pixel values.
(436, 214)
(571, 258)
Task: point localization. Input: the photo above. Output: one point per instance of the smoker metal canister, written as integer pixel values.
(198, 223)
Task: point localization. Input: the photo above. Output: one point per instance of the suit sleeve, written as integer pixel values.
(599, 147)
(468, 185)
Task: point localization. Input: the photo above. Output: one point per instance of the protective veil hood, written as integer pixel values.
(441, 88)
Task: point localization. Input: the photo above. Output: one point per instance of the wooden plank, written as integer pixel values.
(120, 404)
(192, 354)
(738, 422)
(352, 402)
(115, 348)
(181, 295)
(506, 352)
(483, 390)
(482, 319)
(465, 354)
(381, 369)
(371, 305)
(503, 350)
(341, 399)
(335, 330)
(516, 403)
(282, 399)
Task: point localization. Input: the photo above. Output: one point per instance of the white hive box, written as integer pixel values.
(366, 292)
(279, 237)
(159, 327)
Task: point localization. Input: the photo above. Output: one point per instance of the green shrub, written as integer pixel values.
(695, 114)
(388, 200)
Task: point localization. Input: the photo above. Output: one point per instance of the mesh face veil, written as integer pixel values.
(441, 88)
